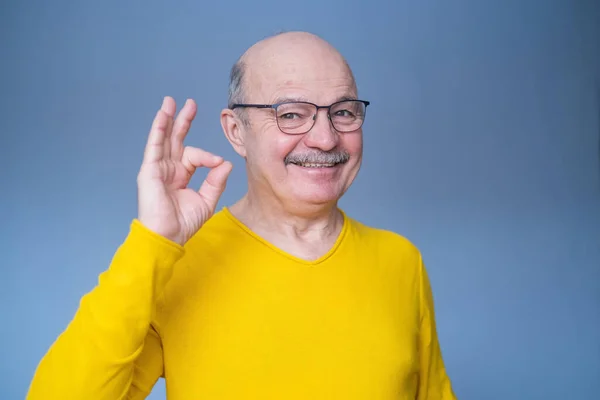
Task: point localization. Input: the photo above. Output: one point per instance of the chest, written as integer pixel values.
(315, 333)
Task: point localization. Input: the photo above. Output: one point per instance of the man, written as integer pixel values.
(281, 295)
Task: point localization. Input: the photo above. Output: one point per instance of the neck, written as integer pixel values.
(271, 217)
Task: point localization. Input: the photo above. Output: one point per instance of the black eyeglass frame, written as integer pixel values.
(328, 108)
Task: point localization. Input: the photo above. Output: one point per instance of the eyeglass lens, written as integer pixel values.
(297, 118)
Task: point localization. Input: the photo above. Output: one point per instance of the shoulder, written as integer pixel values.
(390, 255)
(385, 242)
(384, 237)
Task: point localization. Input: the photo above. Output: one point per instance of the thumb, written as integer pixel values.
(213, 186)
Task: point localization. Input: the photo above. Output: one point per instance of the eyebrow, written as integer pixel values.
(346, 97)
(286, 99)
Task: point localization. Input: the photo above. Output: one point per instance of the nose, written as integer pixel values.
(322, 136)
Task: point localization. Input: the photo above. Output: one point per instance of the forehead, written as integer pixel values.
(315, 73)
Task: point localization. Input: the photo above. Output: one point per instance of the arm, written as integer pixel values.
(433, 380)
(109, 349)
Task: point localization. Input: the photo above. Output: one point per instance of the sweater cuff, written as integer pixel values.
(150, 244)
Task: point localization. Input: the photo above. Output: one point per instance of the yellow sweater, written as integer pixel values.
(230, 316)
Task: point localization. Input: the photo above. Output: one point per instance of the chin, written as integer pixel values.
(315, 195)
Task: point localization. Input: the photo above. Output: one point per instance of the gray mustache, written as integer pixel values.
(319, 157)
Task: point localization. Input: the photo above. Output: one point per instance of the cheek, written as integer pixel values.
(269, 147)
(353, 143)
(275, 145)
(284, 145)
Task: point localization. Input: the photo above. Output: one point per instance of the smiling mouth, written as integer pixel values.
(316, 165)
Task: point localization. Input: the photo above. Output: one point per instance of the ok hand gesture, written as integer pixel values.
(165, 204)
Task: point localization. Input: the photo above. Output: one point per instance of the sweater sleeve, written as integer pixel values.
(148, 367)
(96, 356)
(434, 382)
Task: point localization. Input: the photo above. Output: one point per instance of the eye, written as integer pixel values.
(344, 113)
(294, 111)
(290, 115)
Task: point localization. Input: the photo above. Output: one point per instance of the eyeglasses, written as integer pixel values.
(298, 117)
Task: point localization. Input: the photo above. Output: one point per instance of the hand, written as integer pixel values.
(165, 204)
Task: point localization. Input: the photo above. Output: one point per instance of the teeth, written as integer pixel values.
(315, 165)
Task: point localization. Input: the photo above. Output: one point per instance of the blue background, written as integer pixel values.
(482, 147)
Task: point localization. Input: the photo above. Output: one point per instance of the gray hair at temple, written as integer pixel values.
(236, 88)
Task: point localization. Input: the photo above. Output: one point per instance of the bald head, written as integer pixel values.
(286, 59)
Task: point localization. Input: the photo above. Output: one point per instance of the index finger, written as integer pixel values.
(155, 146)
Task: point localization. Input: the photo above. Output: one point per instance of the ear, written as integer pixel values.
(234, 131)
